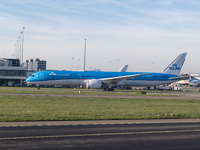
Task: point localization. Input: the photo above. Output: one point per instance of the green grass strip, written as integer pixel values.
(32, 108)
(79, 92)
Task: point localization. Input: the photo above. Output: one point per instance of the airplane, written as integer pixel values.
(193, 81)
(123, 69)
(109, 80)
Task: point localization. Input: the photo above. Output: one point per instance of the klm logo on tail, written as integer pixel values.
(174, 67)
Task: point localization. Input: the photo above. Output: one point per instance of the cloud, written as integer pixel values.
(115, 29)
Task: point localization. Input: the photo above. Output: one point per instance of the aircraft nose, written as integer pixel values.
(28, 79)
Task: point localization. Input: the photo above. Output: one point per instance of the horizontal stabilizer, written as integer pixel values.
(180, 78)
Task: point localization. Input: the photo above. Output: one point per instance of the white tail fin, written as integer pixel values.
(176, 65)
(123, 69)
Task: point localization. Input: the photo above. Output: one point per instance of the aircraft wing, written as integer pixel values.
(180, 78)
(115, 80)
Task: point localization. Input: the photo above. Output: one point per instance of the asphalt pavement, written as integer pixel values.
(165, 136)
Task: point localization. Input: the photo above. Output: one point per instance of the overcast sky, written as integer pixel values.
(145, 34)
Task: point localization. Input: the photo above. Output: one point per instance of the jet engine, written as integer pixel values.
(94, 84)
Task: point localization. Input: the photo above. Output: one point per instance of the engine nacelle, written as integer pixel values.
(94, 84)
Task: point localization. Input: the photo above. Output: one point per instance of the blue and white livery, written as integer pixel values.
(109, 80)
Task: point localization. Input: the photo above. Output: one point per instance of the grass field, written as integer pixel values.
(37, 108)
(64, 91)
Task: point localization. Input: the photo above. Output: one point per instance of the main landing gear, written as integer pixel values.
(108, 89)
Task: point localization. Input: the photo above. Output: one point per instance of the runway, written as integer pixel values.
(103, 136)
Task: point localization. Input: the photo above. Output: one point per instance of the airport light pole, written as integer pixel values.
(110, 65)
(84, 54)
(118, 63)
(21, 35)
(19, 48)
(72, 63)
(22, 42)
(78, 64)
(16, 50)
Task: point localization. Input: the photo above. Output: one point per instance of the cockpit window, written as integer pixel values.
(32, 75)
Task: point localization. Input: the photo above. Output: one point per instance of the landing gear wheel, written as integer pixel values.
(111, 89)
(105, 89)
(108, 89)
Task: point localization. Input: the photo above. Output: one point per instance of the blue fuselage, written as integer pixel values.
(80, 78)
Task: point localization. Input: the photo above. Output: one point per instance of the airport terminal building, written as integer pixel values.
(11, 73)
(35, 65)
(14, 74)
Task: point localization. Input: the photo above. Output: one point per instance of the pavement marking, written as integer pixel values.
(96, 134)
